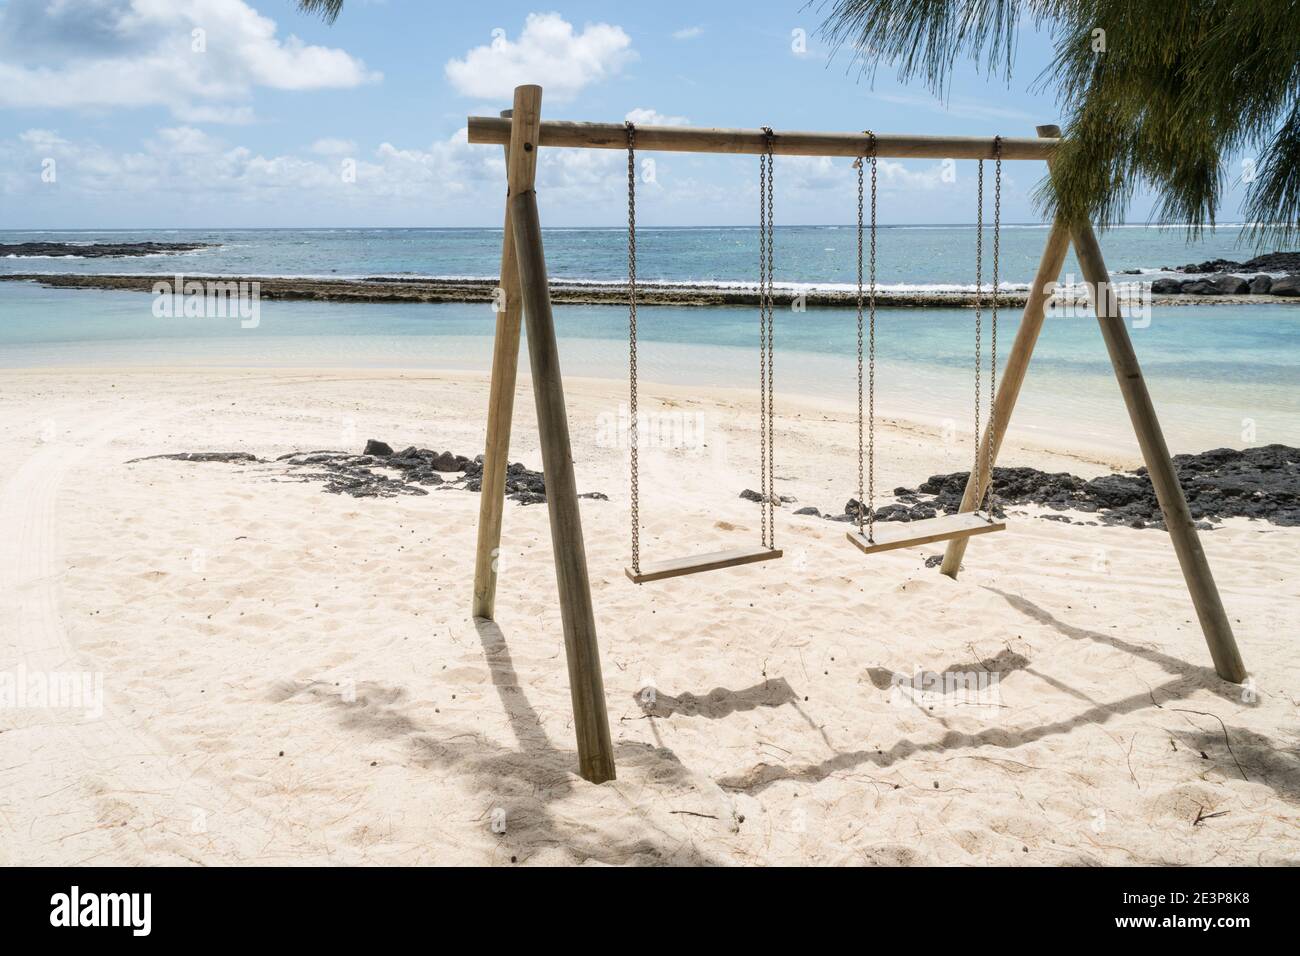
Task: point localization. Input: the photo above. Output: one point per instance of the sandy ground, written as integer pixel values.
(291, 676)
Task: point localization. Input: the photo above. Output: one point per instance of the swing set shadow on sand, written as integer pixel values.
(526, 296)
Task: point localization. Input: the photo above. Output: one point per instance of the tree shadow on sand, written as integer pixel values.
(529, 782)
(1260, 758)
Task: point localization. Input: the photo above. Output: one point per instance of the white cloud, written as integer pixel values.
(193, 58)
(231, 115)
(548, 53)
(185, 161)
(331, 146)
(813, 172)
(191, 176)
(41, 137)
(197, 170)
(647, 117)
(825, 173)
(900, 177)
(959, 107)
(688, 33)
(183, 141)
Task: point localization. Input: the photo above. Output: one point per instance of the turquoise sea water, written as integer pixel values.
(1211, 369)
(908, 256)
(1221, 375)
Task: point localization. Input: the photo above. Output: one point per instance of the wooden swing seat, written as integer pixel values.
(891, 535)
(713, 561)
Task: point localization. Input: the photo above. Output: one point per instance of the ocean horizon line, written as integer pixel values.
(601, 228)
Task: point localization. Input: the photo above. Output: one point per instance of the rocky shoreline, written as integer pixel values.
(574, 292)
(1257, 483)
(1288, 262)
(416, 470)
(563, 291)
(97, 250)
(1220, 277)
(1226, 284)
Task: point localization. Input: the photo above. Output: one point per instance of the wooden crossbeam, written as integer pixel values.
(688, 139)
(713, 561)
(891, 535)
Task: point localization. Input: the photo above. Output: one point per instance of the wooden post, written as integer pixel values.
(1178, 517)
(501, 393)
(1031, 323)
(586, 686)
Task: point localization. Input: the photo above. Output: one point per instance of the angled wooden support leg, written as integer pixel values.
(1013, 376)
(1031, 323)
(586, 686)
(501, 394)
(1160, 467)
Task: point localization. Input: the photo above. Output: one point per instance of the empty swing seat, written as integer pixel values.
(891, 535)
(713, 561)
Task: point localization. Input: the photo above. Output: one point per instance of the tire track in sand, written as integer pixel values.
(78, 788)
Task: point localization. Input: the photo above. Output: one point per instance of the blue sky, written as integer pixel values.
(228, 113)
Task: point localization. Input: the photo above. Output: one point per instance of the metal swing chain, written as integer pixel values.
(762, 343)
(990, 498)
(632, 435)
(867, 502)
(766, 321)
(979, 303)
(871, 364)
(861, 493)
(771, 347)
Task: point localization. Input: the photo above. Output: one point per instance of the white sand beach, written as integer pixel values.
(293, 677)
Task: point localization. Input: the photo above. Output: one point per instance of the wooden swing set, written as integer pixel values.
(525, 296)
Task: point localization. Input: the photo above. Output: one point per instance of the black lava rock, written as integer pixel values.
(1231, 285)
(417, 469)
(448, 462)
(1270, 262)
(1287, 285)
(1261, 483)
(98, 250)
(222, 457)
